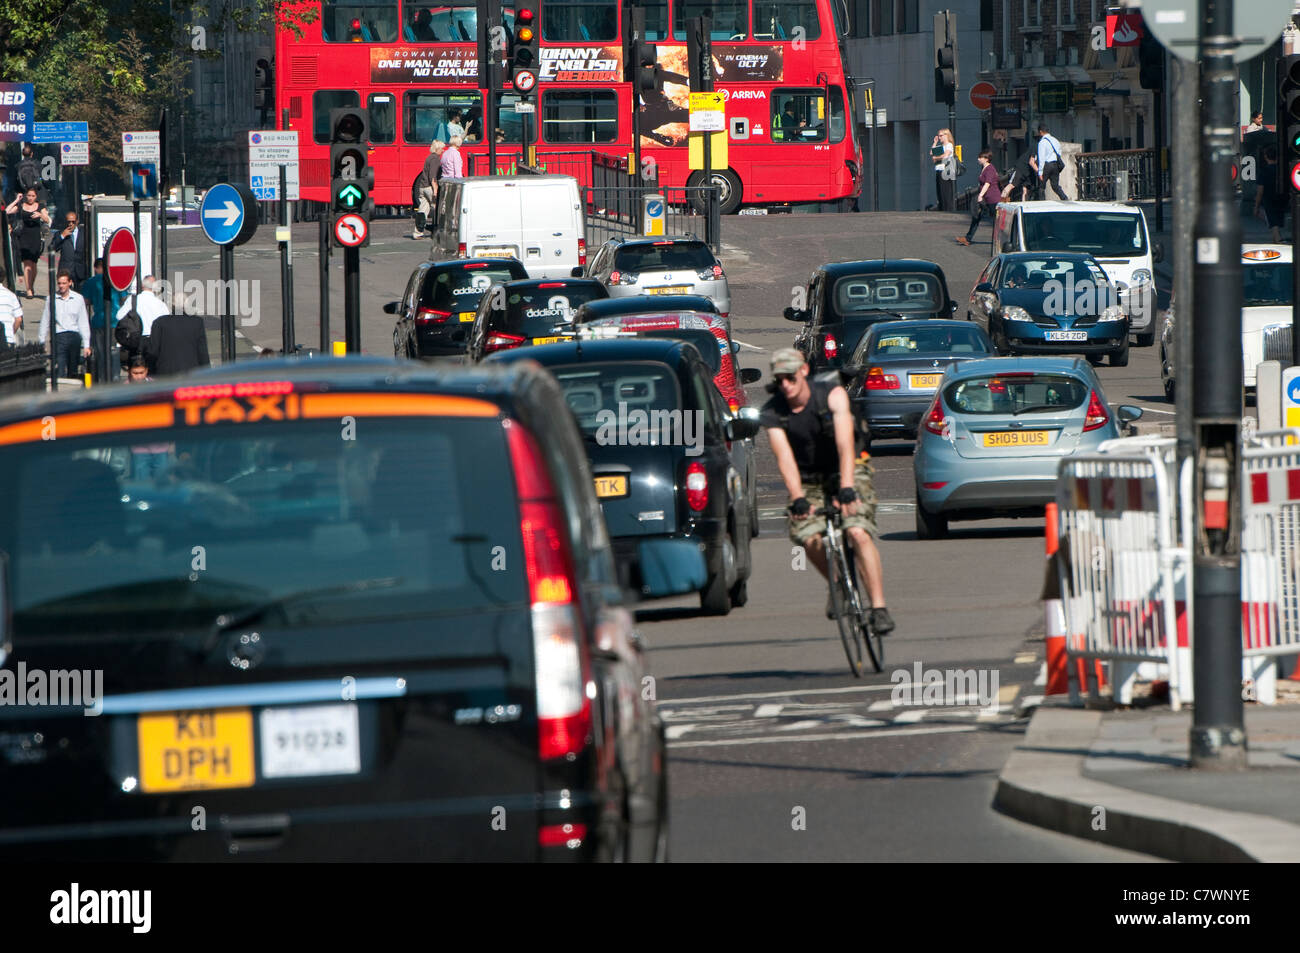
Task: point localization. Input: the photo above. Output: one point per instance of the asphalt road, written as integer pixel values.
(776, 752)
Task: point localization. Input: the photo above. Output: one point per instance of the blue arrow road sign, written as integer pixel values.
(222, 214)
(654, 208)
(64, 131)
(1293, 391)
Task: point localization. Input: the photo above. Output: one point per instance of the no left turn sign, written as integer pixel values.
(350, 231)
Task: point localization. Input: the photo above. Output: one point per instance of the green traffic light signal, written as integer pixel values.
(349, 197)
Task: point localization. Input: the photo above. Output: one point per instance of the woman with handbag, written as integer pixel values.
(943, 155)
(32, 215)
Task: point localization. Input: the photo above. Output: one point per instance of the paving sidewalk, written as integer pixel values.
(1123, 778)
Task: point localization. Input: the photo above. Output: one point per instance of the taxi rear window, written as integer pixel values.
(461, 287)
(535, 311)
(348, 518)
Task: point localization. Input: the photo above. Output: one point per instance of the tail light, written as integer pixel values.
(697, 487)
(561, 835)
(830, 348)
(877, 379)
(934, 418)
(431, 316)
(582, 251)
(563, 707)
(460, 250)
(1097, 415)
(551, 284)
(709, 274)
(498, 341)
(733, 405)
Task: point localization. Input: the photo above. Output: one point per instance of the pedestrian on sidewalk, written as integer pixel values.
(71, 326)
(1267, 196)
(426, 187)
(71, 246)
(1050, 163)
(11, 316)
(1022, 185)
(32, 216)
(943, 153)
(987, 200)
(452, 162)
(177, 342)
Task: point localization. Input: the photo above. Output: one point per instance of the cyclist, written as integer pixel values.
(816, 441)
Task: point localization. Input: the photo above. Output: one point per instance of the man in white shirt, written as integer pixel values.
(71, 326)
(147, 304)
(11, 315)
(1050, 162)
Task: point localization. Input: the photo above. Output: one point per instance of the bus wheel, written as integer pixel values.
(729, 191)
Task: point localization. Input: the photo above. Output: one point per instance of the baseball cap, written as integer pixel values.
(787, 360)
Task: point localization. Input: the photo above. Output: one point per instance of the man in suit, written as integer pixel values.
(177, 342)
(70, 243)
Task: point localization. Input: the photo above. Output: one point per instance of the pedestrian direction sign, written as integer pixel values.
(227, 214)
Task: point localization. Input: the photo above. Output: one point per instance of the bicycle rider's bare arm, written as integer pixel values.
(785, 463)
(842, 414)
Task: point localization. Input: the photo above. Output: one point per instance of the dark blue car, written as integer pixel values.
(1051, 303)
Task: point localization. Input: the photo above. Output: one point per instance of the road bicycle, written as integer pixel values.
(852, 611)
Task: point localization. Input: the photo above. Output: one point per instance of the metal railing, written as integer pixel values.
(1099, 175)
(23, 368)
(580, 164)
(615, 212)
(1277, 343)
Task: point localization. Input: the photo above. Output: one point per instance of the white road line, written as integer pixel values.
(789, 692)
(1158, 410)
(752, 347)
(1024, 658)
(911, 716)
(1041, 679)
(882, 706)
(845, 736)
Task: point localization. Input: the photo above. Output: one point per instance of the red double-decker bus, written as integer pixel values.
(413, 66)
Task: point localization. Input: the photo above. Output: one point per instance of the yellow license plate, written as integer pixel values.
(611, 486)
(496, 253)
(468, 315)
(196, 750)
(556, 340)
(669, 290)
(1018, 438)
(923, 381)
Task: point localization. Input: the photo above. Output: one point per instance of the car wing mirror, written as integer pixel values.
(750, 375)
(741, 428)
(794, 314)
(391, 307)
(982, 288)
(952, 307)
(1127, 413)
(1158, 252)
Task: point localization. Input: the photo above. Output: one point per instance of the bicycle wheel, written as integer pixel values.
(875, 643)
(846, 613)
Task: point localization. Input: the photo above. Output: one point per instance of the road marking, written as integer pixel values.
(911, 717)
(752, 347)
(1041, 678)
(886, 508)
(1024, 658)
(1157, 410)
(846, 736)
(782, 694)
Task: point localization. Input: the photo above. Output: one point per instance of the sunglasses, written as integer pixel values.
(786, 378)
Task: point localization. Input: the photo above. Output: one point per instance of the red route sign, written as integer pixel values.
(121, 258)
(981, 95)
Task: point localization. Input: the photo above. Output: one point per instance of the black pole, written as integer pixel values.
(324, 221)
(1158, 100)
(105, 334)
(141, 264)
(1218, 734)
(5, 248)
(51, 303)
(286, 266)
(352, 299)
(1295, 272)
(490, 110)
(637, 26)
(227, 304)
(875, 156)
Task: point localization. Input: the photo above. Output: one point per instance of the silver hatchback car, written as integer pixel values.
(661, 266)
(991, 441)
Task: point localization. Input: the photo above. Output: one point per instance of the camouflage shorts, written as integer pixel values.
(816, 495)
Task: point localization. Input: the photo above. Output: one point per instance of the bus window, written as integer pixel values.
(656, 19)
(510, 124)
(730, 17)
(779, 21)
(800, 115)
(382, 108)
(579, 116)
(579, 21)
(837, 114)
(322, 101)
(455, 21)
(427, 116)
(359, 21)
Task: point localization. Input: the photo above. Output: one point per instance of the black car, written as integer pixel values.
(676, 505)
(642, 304)
(521, 313)
(844, 298)
(897, 366)
(440, 303)
(409, 643)
(1051, 303)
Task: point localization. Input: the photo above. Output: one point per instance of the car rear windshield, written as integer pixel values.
(927, 341)
(461, 287)
(601, 394)
(1016, 393)
(670, 256)
(1265, 285)
(369, 519)
(1101, 234)
(535, 311)
(863, 294)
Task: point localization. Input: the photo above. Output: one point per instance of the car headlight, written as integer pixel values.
(1142, 277)
(1112, 313)
(1014, 313)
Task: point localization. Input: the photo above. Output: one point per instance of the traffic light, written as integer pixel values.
(642, 64)
(263, 92)
(1288, 123)
(1151, 62)
(945, 58)
(351, 178)
(523, 48)
(699, 53)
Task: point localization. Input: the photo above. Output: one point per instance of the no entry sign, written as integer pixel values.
(121, 259)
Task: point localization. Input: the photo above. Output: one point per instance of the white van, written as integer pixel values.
(535, 218)
(1114, 234)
